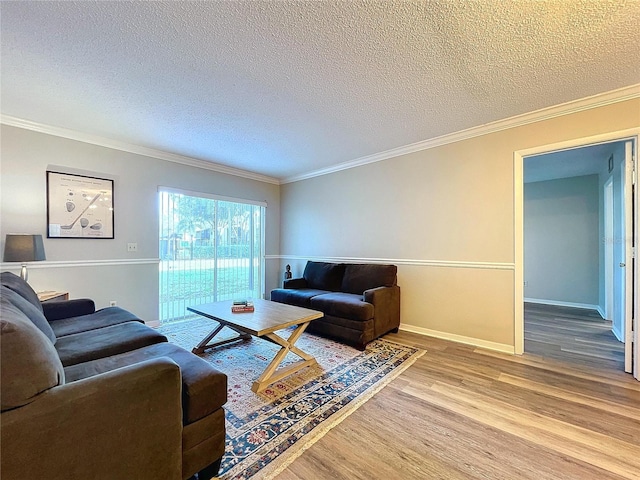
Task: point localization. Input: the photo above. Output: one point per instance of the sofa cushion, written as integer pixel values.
(323, 275)
(345, 305)
(105, 317)
(298, 297)
(360, 277)
(29, 364)
(60, 309)
(21, 287)
(204, 389)
(104, 342)
(32, 313)
(356, 333)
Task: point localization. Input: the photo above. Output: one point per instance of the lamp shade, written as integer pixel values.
(23, 248)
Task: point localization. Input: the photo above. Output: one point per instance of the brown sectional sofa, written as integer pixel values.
(360, 302)
(97, 394)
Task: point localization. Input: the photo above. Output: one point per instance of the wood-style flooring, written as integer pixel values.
(461, 412)
(573, 335)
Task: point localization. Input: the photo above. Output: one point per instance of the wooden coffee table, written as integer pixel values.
(267, 318)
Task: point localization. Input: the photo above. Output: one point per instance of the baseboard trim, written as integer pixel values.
(476, 342)
(617, 334)
(558, 303)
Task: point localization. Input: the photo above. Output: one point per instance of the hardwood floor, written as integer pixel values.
(573, 335)
(462, 412)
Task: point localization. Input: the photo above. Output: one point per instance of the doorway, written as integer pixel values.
(566, 244)
(602, 302)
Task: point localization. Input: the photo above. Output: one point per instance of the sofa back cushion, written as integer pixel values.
(29, 363)
(360, 277)
(22, 288)
(324, 276)
(32, 313)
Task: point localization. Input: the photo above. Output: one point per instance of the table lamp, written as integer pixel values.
(23, 248)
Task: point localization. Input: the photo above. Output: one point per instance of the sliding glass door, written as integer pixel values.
(211, 249)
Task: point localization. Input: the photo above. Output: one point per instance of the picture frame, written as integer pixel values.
(79, 206)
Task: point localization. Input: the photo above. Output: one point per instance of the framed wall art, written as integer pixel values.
(79, 206)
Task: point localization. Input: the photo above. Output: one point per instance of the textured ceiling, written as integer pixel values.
(284, 88)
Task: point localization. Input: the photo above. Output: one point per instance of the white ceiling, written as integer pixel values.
(283, 88)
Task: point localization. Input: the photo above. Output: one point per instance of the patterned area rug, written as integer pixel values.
(267, 431)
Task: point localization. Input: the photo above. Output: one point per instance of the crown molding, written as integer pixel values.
(587, 103)
(575, 106)
(132, 148)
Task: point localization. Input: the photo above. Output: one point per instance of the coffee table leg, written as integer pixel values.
(271, 374)
(205, 345)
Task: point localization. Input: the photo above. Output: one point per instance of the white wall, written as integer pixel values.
(562, 241)
(103, 269)
(445, 215)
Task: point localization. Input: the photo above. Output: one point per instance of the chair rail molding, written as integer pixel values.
(82, 263)
(400, 261)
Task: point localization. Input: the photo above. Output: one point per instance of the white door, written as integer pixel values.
(630, 270)
(609, 259)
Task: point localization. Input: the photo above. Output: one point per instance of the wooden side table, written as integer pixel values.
(52, 296)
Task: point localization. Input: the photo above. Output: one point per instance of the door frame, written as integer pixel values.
(518, 189)
(629, 274)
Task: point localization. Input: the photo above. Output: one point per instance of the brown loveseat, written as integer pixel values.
(97, 394)
(360, 302)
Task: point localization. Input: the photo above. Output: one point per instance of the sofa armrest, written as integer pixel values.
(295, 283)
(386, 308)
(126, 423)
(68, 308)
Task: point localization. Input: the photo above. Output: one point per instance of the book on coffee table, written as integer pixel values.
(242, 306)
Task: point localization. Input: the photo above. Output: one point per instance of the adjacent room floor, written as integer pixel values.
(574, 335)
